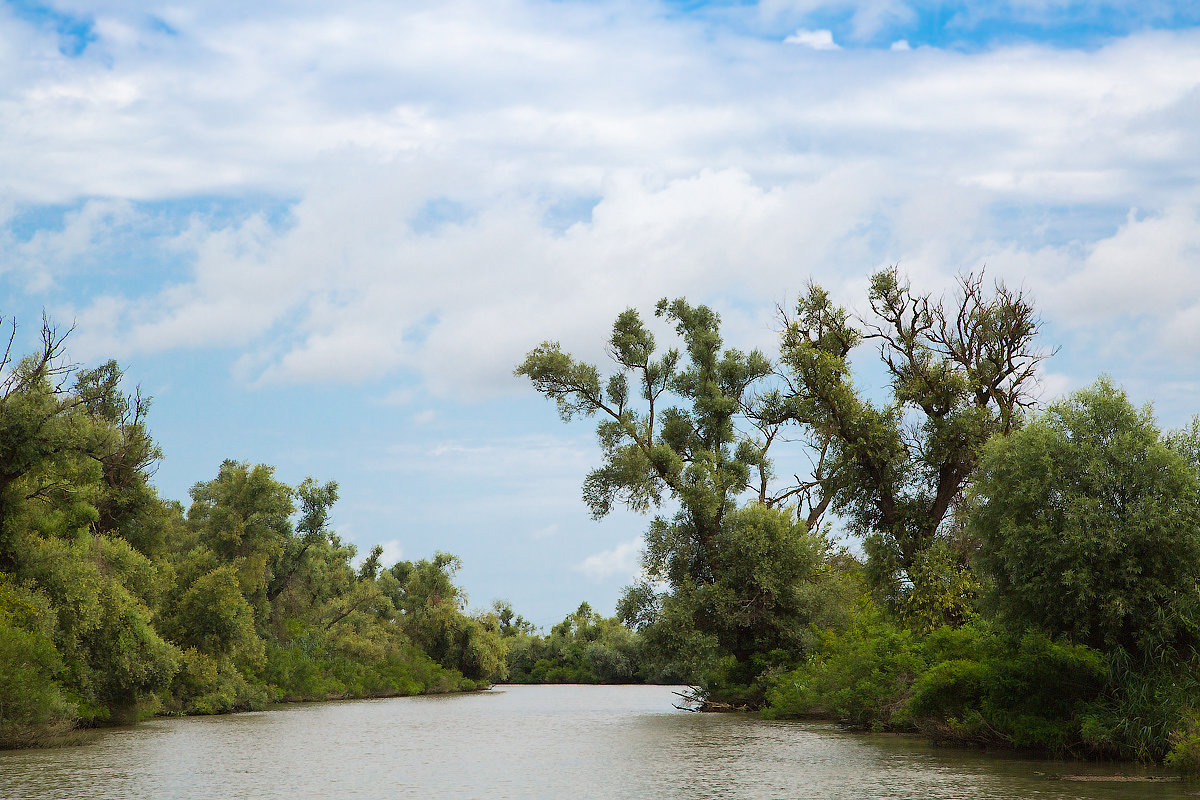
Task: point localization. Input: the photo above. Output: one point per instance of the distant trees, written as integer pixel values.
(433, 615)
(586, 647)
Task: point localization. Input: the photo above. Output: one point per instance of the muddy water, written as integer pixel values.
(534, 742)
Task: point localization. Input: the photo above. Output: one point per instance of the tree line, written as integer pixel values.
(1021, 577)
(1018, 577)
(116, 604)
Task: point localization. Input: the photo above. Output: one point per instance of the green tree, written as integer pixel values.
(41, 436)
(961, 372)
(244, 516)
(511, 623)
(312, 529)
(62, 520)
(112, 601)
(433, 615)
(125, 453)
(1090, 526)
(735, 574)
(212, 615)
(33, 702)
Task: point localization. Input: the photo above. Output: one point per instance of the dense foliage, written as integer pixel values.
(743, 579)
(584, 648)
(1084, 643)
(960, 373)
(1029, 580)
(115, 604)
(1089, 525)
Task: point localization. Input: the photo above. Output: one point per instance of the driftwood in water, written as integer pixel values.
(696, 701)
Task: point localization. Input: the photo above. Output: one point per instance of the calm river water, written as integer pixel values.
(535, 742)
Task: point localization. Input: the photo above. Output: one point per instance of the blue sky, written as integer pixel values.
(321, 238)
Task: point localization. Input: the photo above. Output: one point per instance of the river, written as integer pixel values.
(535, 743)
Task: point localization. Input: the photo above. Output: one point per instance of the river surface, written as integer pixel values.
(538, 743)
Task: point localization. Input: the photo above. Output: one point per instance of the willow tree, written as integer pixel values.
(1088, 521)
(962, 370)
(77, 600)
(684, 426)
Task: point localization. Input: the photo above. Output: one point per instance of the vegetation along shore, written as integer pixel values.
(943, 557)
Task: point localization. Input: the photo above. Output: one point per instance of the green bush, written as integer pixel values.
(33, 705)
(1030, 693)
(862, 676)
(1147, 708)
(1185, 747)
(208, 684)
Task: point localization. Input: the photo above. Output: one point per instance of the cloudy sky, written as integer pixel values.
(321, 235)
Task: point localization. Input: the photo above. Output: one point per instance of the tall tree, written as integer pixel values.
(312, 529)
(127, 455)
(692, 452)
(244, 516)
(39, 431)
(57, 428)
(962, 369)
(735, 574)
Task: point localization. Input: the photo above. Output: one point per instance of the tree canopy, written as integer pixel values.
(690, 428)
(961, 371)
(1089, 524)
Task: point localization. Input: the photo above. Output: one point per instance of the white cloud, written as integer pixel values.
(619, 562)
(1148, 267)
(817, 40)
(393, 551)
(725, 168)
(1133, 293)
(43, 254)
(546, 532)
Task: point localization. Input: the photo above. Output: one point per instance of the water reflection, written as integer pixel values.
(531, 743)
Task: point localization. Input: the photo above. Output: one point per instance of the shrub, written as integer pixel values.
(862, 676)
(1029, 693)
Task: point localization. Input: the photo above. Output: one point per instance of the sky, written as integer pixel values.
(321, 236)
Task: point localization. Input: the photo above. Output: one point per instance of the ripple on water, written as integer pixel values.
(535, 742)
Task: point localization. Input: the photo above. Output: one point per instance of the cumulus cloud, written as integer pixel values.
(1133, 292)
(1148, 267)
(393, 551)
(619, 562)
(424, 193)
(817, 40)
